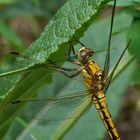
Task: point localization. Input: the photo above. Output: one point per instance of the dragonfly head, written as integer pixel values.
(85, 54)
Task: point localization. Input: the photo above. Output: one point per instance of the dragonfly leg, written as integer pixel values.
(71, 49)
(64, 70)
(82, 44)
(70, 75)
(68, 54)
(72, 58)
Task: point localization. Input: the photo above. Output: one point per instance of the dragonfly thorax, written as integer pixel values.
(85, 54)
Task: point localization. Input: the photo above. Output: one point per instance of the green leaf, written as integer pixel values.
(133, 12)
(136, 75)
(125, 2)
(134, 48)
(19, 8)
(6, 1)
(134, 30)
(67, 23)
(11, 36)
(43, 8)
(89, 125)
(137, 1)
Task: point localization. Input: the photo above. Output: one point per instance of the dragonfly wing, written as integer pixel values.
(55, 109)
(59, 83)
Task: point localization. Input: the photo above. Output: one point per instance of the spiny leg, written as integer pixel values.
(71, 49)
(80, 42)
(72, 56)
(71, 75)
(107, 59)
(72, 59)
(68, 54)
(63, 70)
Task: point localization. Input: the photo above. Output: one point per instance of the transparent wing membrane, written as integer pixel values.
(53, 109)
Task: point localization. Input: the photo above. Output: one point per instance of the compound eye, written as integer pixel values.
(82, 53)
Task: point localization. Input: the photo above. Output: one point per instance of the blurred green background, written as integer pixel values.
(21, 22)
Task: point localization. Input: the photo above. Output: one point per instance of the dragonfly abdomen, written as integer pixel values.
(99, 101)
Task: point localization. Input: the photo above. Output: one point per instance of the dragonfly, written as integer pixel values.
(96, 79)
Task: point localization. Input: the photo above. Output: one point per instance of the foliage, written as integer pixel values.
(73, 19)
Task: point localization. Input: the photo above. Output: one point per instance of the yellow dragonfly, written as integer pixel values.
(96, 79)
